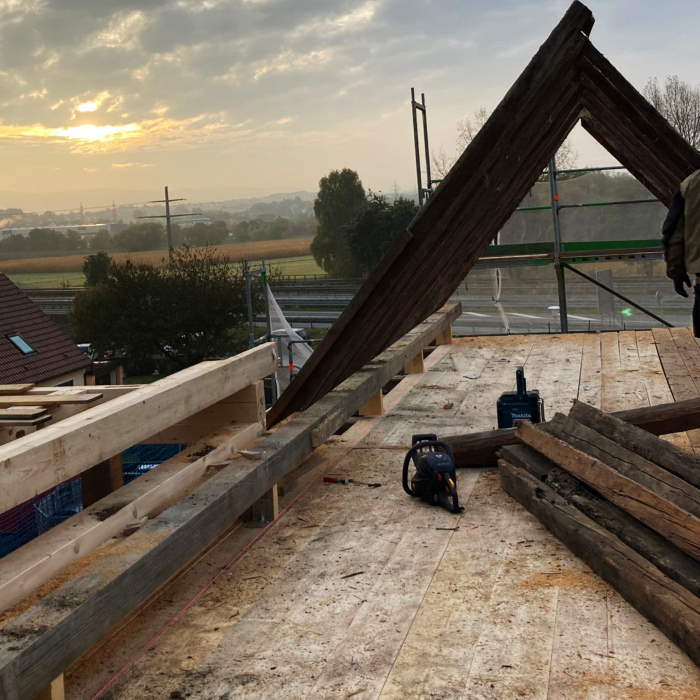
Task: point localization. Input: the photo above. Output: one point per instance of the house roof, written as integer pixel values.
(54, 353)
(566, 81)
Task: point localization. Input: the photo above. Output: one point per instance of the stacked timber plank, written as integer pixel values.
(624, 501)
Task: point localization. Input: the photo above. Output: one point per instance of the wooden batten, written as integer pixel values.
(444, 337)
(374, 406)
(415, 365)
(100, 480)
(10, 389)
(264, 510)
(55, 691)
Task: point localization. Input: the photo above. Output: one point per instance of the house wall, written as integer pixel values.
(77, 377)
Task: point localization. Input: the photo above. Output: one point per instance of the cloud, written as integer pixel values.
(121, 166)
(291, 61)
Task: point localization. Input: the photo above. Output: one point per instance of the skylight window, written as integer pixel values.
(21, 344)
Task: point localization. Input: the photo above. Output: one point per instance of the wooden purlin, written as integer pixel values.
(453, 229)
(631, 129)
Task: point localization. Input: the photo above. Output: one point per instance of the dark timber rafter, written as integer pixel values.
(567, 80)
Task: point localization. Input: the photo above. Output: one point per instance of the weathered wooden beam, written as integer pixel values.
(453, 228)
(623, 121)
(626, 462)
(30, 566)
(479, 449)
(37, 462)
(684, 464)
(37, 645)
(672, 608)
(660, 514)
(658, 550)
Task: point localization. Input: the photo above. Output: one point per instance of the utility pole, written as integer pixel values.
(168, 217)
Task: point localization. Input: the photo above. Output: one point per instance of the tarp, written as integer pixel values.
(283, 334)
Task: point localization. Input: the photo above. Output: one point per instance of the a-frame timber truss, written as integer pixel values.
(567, 80)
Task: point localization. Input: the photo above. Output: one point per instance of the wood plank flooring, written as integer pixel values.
(365, 593)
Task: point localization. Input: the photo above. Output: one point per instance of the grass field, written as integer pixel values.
(299, 265)
(270, 250)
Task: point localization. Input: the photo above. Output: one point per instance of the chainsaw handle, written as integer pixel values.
(423, 437)
(404, 475)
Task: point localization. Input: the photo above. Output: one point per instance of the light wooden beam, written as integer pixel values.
(37, 462)
(6, 389)
(47, 399)
(245, 406)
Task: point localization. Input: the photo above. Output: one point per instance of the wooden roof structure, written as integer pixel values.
(567, 80)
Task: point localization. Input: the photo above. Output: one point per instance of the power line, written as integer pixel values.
(167, 216)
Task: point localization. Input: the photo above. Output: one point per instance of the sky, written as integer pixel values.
(112, 99)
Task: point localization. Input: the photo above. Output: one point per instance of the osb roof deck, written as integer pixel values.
(366, 593)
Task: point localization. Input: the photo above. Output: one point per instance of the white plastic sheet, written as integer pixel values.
(284, 334)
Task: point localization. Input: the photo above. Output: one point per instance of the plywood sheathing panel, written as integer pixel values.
(504, 611)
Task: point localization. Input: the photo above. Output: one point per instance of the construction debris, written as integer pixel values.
(623, 501)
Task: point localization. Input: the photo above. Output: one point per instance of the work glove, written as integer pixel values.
(678, 283)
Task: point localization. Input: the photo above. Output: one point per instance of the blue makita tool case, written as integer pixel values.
(519, 405)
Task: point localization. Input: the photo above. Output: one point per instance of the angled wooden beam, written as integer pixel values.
(622, 120)
(451, 231)
(37, 462)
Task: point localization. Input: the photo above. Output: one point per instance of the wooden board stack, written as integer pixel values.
(624, 501)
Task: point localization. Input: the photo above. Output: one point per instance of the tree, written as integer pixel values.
(174, 316)
(375, 229)
(202, 234)
(679, 103)
(469, 127)
(101, 241)
(96, 268)
(143, 236)
(341, 199)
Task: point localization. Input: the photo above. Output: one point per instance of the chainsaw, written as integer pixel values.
(435, 479)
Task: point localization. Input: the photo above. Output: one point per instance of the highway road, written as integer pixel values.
(317, 303)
